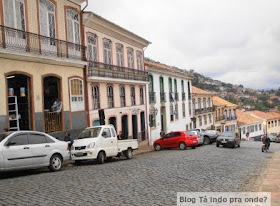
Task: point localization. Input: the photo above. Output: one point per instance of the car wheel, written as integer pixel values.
(206, 140)
(55, 163)
(217, 145)
(128, 154)
(182, 145)
(101, 157)
(157, 147)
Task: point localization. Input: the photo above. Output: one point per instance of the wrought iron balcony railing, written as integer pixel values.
(152, 97)
(162, 97)
(176, 96)
(183, 96)
(231, 118)
(220, 118)
(203, 110)
(112, 71)
(26, 42)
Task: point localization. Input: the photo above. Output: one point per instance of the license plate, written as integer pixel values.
(79, 154)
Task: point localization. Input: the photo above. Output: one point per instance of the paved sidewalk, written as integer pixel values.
(143, 149)
(271, 181)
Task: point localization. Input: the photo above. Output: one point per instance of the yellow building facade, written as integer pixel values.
(42, 66)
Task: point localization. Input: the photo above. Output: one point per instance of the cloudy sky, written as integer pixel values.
(236, 41)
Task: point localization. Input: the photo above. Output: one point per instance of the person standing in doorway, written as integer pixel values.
(120, 135)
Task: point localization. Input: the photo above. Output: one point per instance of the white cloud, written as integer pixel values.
(237, 41)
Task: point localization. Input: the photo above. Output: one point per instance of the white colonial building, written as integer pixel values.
(169, 98)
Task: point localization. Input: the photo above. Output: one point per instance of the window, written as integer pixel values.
(141, 96)
(132, 93)
(96, 97)
(183, 87)
(209, 102)
(275, 123)
(200, 120)
(73, 27)
(47, 19)
(110, 94)
(152, 119)
(113, 133)
(210, 119)
(184, 110)
(268, 124)
(170, 85)
(119, 48)
(175, 85)
(193, 101)
(123, 102)
(77, 95)
(190, 108)
(151, 83)
(107, 51)
(252, 128)
(161, 85)
(37, 139)
(260, 127)
(106, 133)
(92, 47)
(205, 119)
(139, 60)
(256, 127)
(49, 140)
(189, 90)
(130, 58)
(204, 103)
(176, 112)
(171, 113)
(14, 14)
(19, 140)
(248, 129)
(199, 103)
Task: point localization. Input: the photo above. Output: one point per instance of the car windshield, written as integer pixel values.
(227, 134)
(3, 136)
(90, 133)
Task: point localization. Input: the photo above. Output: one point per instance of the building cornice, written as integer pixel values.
(180, 75)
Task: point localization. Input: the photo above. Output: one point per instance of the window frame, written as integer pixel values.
(141, 90)
(81, 104)
(122, 96)
(73, 21)
(15, 23)
(130, 57)
(133, 96)
(120, 55)
(139, 56)
(110, 96)
(91, 46)
(95, 96)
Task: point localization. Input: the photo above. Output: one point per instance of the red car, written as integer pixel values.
(180, 140)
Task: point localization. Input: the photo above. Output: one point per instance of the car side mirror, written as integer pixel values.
(11, 143)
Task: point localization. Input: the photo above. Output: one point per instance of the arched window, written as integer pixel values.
(122, 92)
(73, 26)
(132, 93)
(161, 85)
(141, 95)
(77, 94)
(119, 48)
(92, 47)
(110, 95)
(209, 102)
(47, 19)
(130, 58)
(193, 101)
(170, 85)
(199, 103)
(96, 97)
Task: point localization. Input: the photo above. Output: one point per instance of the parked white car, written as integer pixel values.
(101, 143)
(31, 150)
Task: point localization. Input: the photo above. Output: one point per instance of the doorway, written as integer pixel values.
(113, 121)
(52, 104)
(163, 119)
(19, 102)
(134, 127)
(125, 126)
(143, 126)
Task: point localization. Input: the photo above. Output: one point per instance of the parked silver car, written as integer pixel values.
(31, 150)
(272, 137)
(200, 136)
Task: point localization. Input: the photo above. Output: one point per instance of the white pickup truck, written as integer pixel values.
(101, 143)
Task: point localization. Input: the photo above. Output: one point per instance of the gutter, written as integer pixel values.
(85, 6)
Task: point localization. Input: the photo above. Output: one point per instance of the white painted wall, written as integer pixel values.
(176, 125)
(256, 133)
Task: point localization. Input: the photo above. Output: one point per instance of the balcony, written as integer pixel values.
(152, 97)
(176, 96)
(183, 96)
(231, 118)
(162, 97)
(99, 69)
(203, 110)
(220, 118)
(26, 42)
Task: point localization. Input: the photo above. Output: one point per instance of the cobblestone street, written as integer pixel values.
(148, 179)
